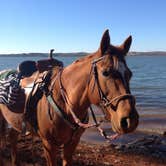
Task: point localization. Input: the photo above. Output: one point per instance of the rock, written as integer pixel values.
(151, 145)
(120, 147)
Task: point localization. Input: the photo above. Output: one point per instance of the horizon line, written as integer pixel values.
(73, 52)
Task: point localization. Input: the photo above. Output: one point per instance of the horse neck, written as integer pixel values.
(75, 82)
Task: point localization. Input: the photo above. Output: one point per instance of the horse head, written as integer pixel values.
(110, 85)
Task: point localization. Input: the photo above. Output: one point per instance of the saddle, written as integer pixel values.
(41, 82)
(27, 68)
(11, 93)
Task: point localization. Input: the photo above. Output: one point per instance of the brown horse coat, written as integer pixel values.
(81, 87)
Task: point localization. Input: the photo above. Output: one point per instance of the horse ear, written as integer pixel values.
(105, 42)
(126, 45)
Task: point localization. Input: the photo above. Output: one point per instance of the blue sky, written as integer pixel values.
(77, 25)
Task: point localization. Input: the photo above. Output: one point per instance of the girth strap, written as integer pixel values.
(58, 111)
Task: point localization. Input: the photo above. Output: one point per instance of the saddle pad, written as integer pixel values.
(6, 74)
(11, 93)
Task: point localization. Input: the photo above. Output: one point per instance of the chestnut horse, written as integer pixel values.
(101, 78)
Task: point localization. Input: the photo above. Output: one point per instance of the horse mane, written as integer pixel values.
(116, 54)
(86, 57)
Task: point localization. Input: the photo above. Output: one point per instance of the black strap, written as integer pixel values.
(94, 117)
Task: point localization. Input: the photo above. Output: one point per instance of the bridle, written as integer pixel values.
(104, 101)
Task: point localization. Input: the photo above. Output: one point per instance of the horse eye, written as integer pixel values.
(106, 73)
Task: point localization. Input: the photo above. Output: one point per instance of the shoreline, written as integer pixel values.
(93, 136)
(79, 54)
(149, 123)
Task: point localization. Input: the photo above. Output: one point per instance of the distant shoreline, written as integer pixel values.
(152, 53)
(79, 54)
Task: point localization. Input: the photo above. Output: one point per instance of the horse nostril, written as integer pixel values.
(124, 123)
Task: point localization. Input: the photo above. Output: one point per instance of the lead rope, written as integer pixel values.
(101, 131)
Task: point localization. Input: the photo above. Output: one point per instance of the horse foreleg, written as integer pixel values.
(2, 138)
(51, 152)
(1, 152)
(13, 136)
(69, 150)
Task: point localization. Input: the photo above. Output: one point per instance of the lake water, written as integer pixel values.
(148, 84)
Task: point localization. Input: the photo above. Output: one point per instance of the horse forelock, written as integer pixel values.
(119, 65)
(115, 62)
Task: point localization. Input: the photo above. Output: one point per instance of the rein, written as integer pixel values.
(76, 119)
(105, 102)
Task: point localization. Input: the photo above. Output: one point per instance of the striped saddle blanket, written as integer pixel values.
(11, 93)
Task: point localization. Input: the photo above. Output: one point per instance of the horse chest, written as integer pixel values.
(56, 130)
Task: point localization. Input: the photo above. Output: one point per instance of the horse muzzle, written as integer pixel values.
(129, 124)
(125, 124)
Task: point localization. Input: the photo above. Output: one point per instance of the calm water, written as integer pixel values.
(149, 81)
(148, 84)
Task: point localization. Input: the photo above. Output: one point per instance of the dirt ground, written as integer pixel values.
(31, 154)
